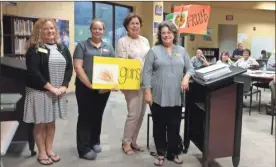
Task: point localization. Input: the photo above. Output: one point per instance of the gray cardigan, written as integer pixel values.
(163, 73)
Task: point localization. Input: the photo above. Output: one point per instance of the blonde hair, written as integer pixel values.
(96, 20)
(36, 36)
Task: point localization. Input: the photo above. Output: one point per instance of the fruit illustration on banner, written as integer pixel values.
(180, 19)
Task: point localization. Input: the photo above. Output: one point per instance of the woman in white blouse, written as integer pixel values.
(133, 46)
(246, 61)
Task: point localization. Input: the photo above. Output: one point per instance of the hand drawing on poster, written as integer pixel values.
(155, 28)
(63, 27)
(105, 73)
(208, 36)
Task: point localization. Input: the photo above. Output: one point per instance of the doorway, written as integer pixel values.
(227, 36)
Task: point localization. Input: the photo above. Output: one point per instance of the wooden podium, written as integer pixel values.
(12, 80)
(213, 117)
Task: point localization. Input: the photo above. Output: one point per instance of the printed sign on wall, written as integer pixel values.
(155, 28)
(108, 73)
(158, 10)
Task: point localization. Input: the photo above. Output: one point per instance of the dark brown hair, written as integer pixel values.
(130, 17)
(224, 53)
(247, 50)
(93, 22)
(171, 28)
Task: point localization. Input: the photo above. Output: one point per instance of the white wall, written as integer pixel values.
(227, 36)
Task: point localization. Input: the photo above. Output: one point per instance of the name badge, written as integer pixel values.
(105, 50)
(42, 50)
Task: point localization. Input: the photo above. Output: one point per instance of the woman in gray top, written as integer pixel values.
(163, 82)
(91, 102)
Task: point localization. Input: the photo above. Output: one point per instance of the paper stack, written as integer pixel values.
(212, 72)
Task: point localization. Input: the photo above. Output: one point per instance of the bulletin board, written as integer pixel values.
(259, 44)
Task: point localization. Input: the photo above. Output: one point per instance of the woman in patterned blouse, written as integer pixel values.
(133, 46)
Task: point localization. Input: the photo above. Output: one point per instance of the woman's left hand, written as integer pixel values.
(62, 89)
(115, 89)
(102, 91)
(185, 84)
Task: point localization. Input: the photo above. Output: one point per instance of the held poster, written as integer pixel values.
(109, 73)
(190, 19)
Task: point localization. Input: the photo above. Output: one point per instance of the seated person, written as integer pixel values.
(247, 61)
(272, 85)
(271, 62)
(199, 60)
(263, 53)
(237, 54)
(224, 58)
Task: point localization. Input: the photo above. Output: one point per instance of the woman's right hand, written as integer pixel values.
(103, 91)
(89, 86)
(148, 97)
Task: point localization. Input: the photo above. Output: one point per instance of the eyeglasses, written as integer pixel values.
(166, 33)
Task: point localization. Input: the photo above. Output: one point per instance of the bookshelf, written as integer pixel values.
(16, 32)
(210, 54)
(1, 29)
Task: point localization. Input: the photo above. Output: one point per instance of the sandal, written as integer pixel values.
(45, 161)
(159, 161)
(177, 160)
(54, 158)
(140, 149)
(128, 151)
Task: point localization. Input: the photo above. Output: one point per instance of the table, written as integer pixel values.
(13, 80)
(8, 101)
(260, 76)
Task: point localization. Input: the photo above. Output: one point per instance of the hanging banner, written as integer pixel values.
(190, 19)
(123, 74)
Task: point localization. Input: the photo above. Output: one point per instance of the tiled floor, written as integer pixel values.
(257, 150)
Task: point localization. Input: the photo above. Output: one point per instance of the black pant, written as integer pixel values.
(166, 127)
(91, 105)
